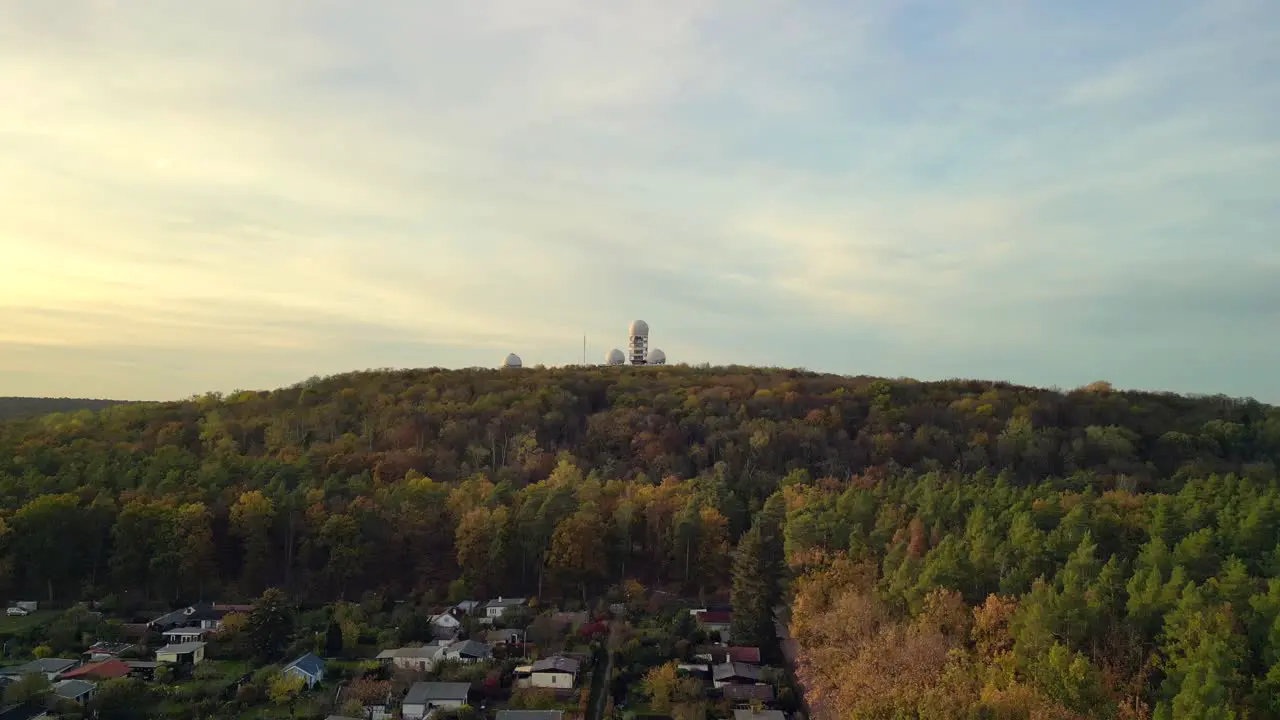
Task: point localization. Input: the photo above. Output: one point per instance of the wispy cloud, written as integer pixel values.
(236, 194)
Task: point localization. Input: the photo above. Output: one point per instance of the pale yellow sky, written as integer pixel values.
(239, 194)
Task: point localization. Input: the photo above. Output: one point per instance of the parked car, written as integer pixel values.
(17, 611)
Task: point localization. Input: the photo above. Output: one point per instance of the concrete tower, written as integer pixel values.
(638, 344)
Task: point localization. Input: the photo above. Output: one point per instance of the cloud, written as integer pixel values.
(239, 195)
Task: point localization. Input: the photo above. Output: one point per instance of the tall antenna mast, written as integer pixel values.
(584, 349)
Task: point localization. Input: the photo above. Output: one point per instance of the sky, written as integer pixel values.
(240, 195)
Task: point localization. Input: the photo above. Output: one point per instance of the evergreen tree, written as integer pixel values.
(270, 625)
(333, 640)
(752, 611)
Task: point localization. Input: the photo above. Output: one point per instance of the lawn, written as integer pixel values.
(16, 624)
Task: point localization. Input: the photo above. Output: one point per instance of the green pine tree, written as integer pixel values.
(752, 610)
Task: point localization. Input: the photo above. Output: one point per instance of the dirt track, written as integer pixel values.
(790, 651)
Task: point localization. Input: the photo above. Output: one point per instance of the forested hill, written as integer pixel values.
(12, 408)
(958, 548)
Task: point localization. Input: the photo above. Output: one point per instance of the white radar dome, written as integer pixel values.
(615, 357)
(639, 328)
(512, 361)
(657, 357)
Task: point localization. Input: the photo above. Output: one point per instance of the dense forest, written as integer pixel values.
(16, 408)
(952, 549)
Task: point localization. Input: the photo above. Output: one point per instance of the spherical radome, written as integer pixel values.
(639, 328)
(512, 361)
(657, 357)
(615, 357)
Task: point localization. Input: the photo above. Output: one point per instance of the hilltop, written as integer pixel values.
(1005, 549)
(17, 408)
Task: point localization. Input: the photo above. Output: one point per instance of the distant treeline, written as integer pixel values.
(18, 408)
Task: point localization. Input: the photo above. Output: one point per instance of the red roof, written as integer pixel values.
(105, 670)
(715, 617)
(745, 654)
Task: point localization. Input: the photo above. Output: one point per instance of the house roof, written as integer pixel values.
(104, 648)
(105, 670)
(309, 664)
(729, 670)
(197, 612)
(426, 651)
(557, 663)
(186, 630)
(530, 715)
(715, 617)
(762, 715)
(422, 692)
(44, 665)
(745, 654)
(72, 689)
(505, 602)
(763, 693)
(180, 648)
(339, 717)
(471, 648)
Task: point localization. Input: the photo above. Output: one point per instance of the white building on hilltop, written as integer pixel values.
(638, 342)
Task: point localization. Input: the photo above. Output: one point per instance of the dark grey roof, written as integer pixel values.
(186, 615)
(557, 663)
(763, 693)
(471, 648)
(530, 715)
(423, 692)
(506, 602)
(724, 671)
(72, 689)
(45, 665)
(309, 664)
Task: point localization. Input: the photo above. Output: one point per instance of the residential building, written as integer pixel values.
(558, 672)
(424, 697)
(309, 667)
(714, 622)
(419, 659)
(106, 650)
(743, 695)
(190, 633)
(106, 670)
(727, 653)
(51, 668)
(497, 609)
(190, 653)
(733, 673)
(76, 691)
(144, 669)
(467, 651)
(446, 625)
(203, 615)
